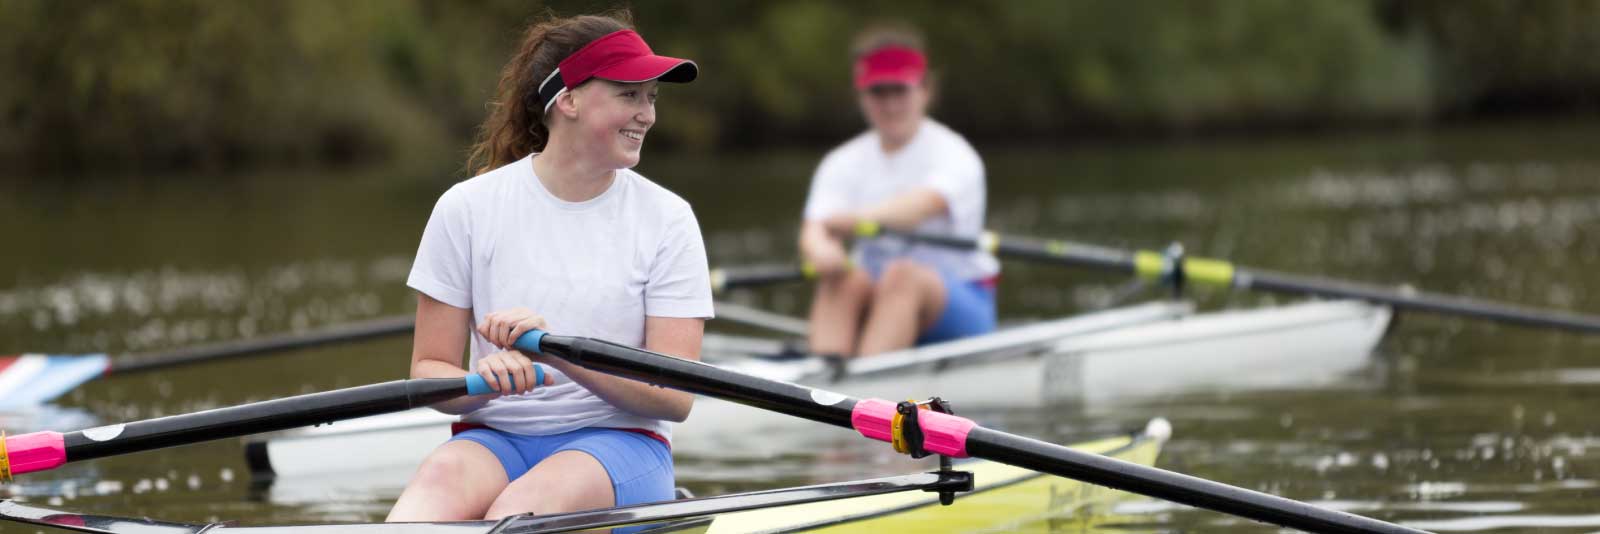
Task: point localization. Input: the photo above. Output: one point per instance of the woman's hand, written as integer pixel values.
(822, 251)
(828, 259)
(509, 372)
(502, 328)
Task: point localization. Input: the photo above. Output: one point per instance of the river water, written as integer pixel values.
(1453, 425)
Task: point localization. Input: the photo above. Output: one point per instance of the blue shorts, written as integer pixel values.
(968, 311)
(640, 466)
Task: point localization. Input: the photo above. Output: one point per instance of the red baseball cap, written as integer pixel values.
(620, 56)
(891, 65)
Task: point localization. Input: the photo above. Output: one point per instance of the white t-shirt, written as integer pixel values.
(594, 268)
(859, 175)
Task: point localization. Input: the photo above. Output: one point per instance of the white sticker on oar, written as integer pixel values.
(826, 398)
(104, 433)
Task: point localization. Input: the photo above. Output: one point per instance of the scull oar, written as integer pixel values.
(1206, 271)
(33, 379)
(39, 451)
(349, 333)
(762, 319)
(946, 434)
(726, 278)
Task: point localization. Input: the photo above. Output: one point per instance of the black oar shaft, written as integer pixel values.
(267, 416)
(1060, 253)
(405, 324)
(702, 378)
(386, 326)
(836, 409)
(724, 279)
(1208, 271)
(1410, 300)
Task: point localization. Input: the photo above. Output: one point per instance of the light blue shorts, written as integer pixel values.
(968, 311)
(640, 466)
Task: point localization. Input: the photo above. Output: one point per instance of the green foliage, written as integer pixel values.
(1499, 50)
(269, 82)
(1181, 65)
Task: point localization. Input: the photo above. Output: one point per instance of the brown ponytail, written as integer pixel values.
(516, 125)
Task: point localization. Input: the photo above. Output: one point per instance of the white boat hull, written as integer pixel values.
(1301, 345)
(1148, 350)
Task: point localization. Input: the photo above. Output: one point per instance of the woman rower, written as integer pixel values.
(909, 172)
(555, 225)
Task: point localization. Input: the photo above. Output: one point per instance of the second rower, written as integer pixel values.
(907, 171)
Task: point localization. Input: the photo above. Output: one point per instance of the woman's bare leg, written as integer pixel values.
(457, 481)
(907, 300)
(567, 481)
(836, 311)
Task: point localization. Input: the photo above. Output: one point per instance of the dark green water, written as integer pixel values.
(1457, 426)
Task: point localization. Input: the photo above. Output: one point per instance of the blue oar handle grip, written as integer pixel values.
(476, 385)
(529, 341)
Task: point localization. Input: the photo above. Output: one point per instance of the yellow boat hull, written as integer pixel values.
(1005, 499)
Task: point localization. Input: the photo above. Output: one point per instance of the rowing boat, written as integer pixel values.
(1287, 346)
(1156, 348)
(919, 429)
(1002, 496)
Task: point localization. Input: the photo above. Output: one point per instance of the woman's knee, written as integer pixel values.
(457, 481)
(455, 462)
(905, 276)
(568, 481)
(853, 282)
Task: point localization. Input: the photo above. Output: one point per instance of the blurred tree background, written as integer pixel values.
(253, 83)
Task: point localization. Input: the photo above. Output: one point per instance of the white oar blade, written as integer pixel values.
(33, 379)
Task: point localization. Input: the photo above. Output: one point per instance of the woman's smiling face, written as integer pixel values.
(613, 119)
(895, 110)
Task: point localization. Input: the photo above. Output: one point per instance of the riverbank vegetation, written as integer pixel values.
(252, 83)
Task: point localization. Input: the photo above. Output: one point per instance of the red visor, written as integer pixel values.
(621, 56)
(891, 65)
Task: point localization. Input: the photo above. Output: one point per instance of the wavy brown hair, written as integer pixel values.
(885, 34)
(516, 124)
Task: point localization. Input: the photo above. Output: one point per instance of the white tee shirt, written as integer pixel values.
(859, 175)
(594, 268)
